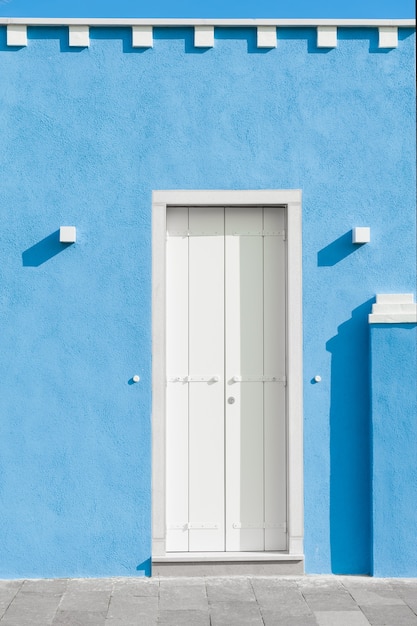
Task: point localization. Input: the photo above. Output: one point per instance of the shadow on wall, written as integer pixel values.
(337, 250)
(44, 250)
(350, 451)
(145, 568)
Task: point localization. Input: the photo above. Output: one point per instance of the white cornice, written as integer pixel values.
(126, 21)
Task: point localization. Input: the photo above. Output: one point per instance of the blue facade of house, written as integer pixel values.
(87, 134)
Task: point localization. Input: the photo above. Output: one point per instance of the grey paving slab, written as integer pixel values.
(133, 608)
(230, 589)
(31, 609)
(272, 618)
(90, 584)
(394, 615)
(371, 591)
(80, 618)
(235, 613)
(148, 621)
(136, 586)
(287, 601)
(52, 586)
(177, 595)
(336, 600)
(406, 589)
(85, 601)
(185, 617)
(341, 618)
(8, 591)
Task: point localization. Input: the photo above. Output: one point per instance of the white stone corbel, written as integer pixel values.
(326, 36)
(79, 36)
(142, 37)
(388, 37)
(17, 35)
(394, 308)
(266, 36)
(203, 36)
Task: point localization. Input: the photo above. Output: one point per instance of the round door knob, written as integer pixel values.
(231, 400)
(215, 379)
(136, 378)
(237, 379)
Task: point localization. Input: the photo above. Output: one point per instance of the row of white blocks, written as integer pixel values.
(142, 36)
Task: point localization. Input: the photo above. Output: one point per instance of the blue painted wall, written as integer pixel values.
(86, 135)
(394, 449)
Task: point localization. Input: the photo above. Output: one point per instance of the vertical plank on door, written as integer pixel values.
(274, 392)
(244, 358)
(206, 359)
(177, 392)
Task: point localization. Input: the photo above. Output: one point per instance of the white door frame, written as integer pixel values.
(291, 200)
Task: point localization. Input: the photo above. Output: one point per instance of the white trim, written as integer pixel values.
(17, 35)
(204, 36)
(296, 23)
(326, 36)
(388, 37)
(142, 37)
(266, 37)
(394, 308)
(79, 36)
(292, 200)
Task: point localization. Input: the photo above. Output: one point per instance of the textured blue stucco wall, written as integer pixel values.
(394, 449)
(86, 135)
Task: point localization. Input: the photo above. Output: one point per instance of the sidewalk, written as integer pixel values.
(212, 601)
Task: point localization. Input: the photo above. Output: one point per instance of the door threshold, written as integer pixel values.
(228, 564)
(199, 557)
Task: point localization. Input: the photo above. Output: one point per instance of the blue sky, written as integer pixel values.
(209, 8)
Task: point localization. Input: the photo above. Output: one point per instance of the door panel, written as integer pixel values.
(226, 427)
(206, 398)
(177, 393)
(244, 360)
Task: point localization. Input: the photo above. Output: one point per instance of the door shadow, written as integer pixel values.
(350, 457)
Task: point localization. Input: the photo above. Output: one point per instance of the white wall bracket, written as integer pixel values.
(266, 37)
(388, 37)
(17, 35)
(361, 234)
(79, 36)
(203, 36)
(326, 36)
(67, 234)
(142, 37)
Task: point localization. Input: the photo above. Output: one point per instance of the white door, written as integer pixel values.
(226, 426)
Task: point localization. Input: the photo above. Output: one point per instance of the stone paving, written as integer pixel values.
(211, 601)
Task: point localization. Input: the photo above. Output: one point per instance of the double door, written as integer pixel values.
(225, 422)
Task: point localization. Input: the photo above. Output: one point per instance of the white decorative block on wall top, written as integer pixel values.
(17, 35)
(394, 308)
(67, 234)
(361, 234)
(326, 36)
(266, 36)
(388, 37)
(79, 36)
(142, 37)
(204, 36)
